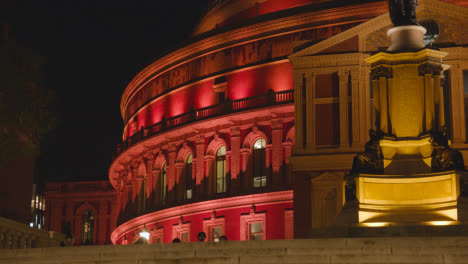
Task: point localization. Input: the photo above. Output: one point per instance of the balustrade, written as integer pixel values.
(269, 99)
(18, 235)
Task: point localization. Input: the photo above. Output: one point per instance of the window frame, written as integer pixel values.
(221, 158)
(259, 157)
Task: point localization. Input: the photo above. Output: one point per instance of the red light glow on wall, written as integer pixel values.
(265, 8)
(257, 81)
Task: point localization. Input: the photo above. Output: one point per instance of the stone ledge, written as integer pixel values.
(326, 250)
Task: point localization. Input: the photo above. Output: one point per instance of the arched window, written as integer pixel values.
(188, 177)
(258, 163)
(163, 185)
(221, 170)
(87, 227)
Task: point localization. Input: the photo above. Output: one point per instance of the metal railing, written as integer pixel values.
(259, 101)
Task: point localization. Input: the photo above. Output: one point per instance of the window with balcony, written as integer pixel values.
(188, 178)
(221, 170)
(258, 163)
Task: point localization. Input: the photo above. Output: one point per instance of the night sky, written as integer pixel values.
(93, 49)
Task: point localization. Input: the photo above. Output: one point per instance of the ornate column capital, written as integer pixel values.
(276, 124)
(200, 139)
(381, 71)
(235, 131)
(429, 68)
(342, 74)
(171, 147)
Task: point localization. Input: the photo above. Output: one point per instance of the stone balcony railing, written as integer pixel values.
(17, 235)
(234, 106)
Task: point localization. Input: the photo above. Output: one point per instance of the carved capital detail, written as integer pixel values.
(277, 124)
(381, 71)
(171, 147)
(200, 139)
(235, 132)
(429, 68)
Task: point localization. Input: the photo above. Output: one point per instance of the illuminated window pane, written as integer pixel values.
(87, 227)
(185, 237)
(221, 170)
(188, 177)
(256, 231)
(163, 185)
(216, 233)
(258, 163)
(260, 143)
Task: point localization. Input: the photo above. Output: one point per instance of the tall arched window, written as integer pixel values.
(87, 227)
(258, 163)
(188, 177)
(163, 185)
(221, 170)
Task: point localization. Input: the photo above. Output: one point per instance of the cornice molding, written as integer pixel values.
(249, 33)
(382, 21)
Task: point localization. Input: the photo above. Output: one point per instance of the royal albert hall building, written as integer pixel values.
(209, 128)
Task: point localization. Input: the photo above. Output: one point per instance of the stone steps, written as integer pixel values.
(327, 250)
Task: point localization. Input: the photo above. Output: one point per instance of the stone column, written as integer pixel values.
(135, 191)
(57, 216)
(439, 101)
(310, 110)
(357, 110)
(376, 104)
(200, 168)
(429, 102)
(457, 105)
(157, 188)
(364, 106)
(287, 146)
(149, 158)
(228, 170)
(129, 194)
(344, 131)
(298, 113)
(180, 182)
(171, 172)
(276, 142)
(102, 222)
(210, 181)
(246, 179)
(69, 212)
(140, 194)
(235, 160)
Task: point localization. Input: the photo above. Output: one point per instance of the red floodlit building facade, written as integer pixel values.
(210, 128)
(87, 209)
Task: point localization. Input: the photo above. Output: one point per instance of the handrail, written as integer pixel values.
(244, 104)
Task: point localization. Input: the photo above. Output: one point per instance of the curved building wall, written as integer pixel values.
(232, 88)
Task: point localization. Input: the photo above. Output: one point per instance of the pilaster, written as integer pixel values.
(276, 140)
(235, 160)
(200, 162)
(356, 93)
(344, 130)
(171, 171)
(310, 110)
(457, 105)
(298, 113)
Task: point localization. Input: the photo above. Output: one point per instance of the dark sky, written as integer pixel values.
(93, 49)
